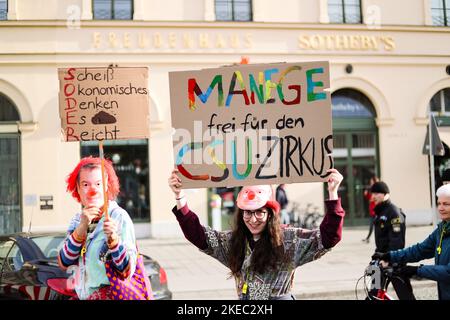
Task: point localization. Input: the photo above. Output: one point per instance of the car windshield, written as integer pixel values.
(49, 245)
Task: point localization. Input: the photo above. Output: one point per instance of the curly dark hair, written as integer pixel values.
(268, 249)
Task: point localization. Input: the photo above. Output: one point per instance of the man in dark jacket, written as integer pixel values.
(390, 228)
(437, 245)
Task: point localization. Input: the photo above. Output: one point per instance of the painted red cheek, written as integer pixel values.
(251, 195)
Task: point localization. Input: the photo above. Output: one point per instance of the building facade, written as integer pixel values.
(389, 63)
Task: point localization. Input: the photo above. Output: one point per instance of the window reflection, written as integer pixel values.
(3, 9)
(233, 10)
(440, 12)
(113, 9)
(344, 11)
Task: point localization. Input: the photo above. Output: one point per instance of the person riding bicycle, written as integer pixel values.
(437, 244)
(389, 224)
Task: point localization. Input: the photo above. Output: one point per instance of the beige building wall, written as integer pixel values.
(399, 12)
(399, 67)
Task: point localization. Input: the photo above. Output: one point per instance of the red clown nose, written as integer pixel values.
(251, 195)
(92, 193)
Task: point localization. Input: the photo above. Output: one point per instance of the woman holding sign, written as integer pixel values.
(261, 255)
(92, 237)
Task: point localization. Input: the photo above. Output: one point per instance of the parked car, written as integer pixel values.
(27, 261)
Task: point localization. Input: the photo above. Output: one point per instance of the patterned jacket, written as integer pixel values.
(300, 246)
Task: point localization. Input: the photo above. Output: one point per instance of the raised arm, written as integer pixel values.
(331, 226)
(188, 220)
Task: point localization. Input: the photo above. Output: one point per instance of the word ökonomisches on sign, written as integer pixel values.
(252, 124)
(108, 103)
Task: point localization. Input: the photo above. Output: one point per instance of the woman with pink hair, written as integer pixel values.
(90, 237)
(261, 255)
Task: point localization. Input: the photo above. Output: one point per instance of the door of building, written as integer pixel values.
(10, 211)
(355, 151)
(10, 180)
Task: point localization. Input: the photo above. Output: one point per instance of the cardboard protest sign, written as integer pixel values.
(252, 124)
(103, 103)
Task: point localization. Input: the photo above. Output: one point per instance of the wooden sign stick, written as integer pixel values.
(105, 193)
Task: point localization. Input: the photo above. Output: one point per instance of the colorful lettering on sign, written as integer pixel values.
(236, 174)
(262, 90)
(312, 84)
(217, 162)
(237, 75)
(295, 87)
(297, 156)
(194, 88)
(71, 105)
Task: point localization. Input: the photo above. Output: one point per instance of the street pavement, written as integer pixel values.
(193, 275)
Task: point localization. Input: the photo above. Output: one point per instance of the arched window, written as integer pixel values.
(8, 111)
(10, 198)
(440, 102)
(348, 103)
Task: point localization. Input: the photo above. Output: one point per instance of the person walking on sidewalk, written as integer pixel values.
(436, 245)
(390, 229)
(261, 255)
(89, 233)
(282, 199)
(368, 196)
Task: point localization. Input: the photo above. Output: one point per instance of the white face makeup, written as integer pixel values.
(90, 187)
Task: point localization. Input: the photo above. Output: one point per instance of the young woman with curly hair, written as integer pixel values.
(261, 254)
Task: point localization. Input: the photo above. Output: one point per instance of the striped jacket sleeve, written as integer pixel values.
(121, 259)
(71, 249)
(124, 252)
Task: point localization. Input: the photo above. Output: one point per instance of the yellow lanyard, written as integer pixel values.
(245, 285)
(439, 248)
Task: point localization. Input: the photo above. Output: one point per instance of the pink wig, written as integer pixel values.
(91, 162)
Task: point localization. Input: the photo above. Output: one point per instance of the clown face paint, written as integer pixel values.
(254, 197)
(90, 187)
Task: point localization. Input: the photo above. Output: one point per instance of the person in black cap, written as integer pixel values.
(390, 230)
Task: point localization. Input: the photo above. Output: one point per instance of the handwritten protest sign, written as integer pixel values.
(103, 103)
(252, 124)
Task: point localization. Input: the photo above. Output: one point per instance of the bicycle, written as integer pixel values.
(379, 278)
(294, 214)
(313, 217)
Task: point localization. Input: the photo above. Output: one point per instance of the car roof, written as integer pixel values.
(31, 235)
